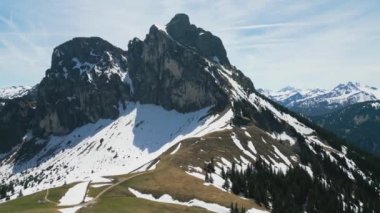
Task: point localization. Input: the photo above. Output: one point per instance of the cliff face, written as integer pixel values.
(86, 82)
(166, 73)
(16, 118)
(208, 45)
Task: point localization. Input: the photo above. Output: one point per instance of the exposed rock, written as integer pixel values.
(204, 42)
(171, 75)
(15, 119)
(86, 82)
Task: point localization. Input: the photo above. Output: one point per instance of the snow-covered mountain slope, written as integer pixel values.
(13, 92)
(318, 101)
(289, 94)
(107, 147)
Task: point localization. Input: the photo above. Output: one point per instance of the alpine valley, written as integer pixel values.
(168, 125)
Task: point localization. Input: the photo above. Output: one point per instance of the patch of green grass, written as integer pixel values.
(29, 204)
(92, 191)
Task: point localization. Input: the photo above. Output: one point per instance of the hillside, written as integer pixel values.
(169, 125)
(359, 124)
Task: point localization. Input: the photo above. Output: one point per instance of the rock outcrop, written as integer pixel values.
(208, 45)
(87, 81)
(166, 73)
(16, 117)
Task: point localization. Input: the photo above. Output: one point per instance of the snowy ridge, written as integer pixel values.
(339, 96)
(285, 94)
(121, 146)
(14, 92)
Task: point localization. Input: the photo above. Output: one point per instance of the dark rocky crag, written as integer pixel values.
(85, 83)
(16, 117)
(208, 45)
(168, 74)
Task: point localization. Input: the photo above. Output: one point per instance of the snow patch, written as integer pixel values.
(70, 210)
(75, 195)
(251, 147)
(376, 105)
(165, 198)
(176, 149)
(100, 185)
(283, 137)
(282, 156)
(238, 144)
(307, 169)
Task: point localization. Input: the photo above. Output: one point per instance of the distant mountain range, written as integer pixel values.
(350, 110)
(13, 92)
(313, 102)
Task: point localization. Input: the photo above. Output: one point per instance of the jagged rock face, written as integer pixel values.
(180, 69)
(86, 82)
(208, 45)
(166, 73)
(15, 119)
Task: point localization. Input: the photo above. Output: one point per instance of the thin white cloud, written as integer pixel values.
(264, 26)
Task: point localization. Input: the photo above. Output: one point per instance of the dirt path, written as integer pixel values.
(46, 199)
(92, 201)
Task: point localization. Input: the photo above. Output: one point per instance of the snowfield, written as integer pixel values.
(110, 147)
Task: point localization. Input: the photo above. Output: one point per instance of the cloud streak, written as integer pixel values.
(265, 26)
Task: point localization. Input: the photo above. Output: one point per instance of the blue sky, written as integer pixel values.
(276, 43)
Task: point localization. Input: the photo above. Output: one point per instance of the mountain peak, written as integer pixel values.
(353, 84)
(320, 101)
(287, 88)
(207, 44)
(181, 19)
